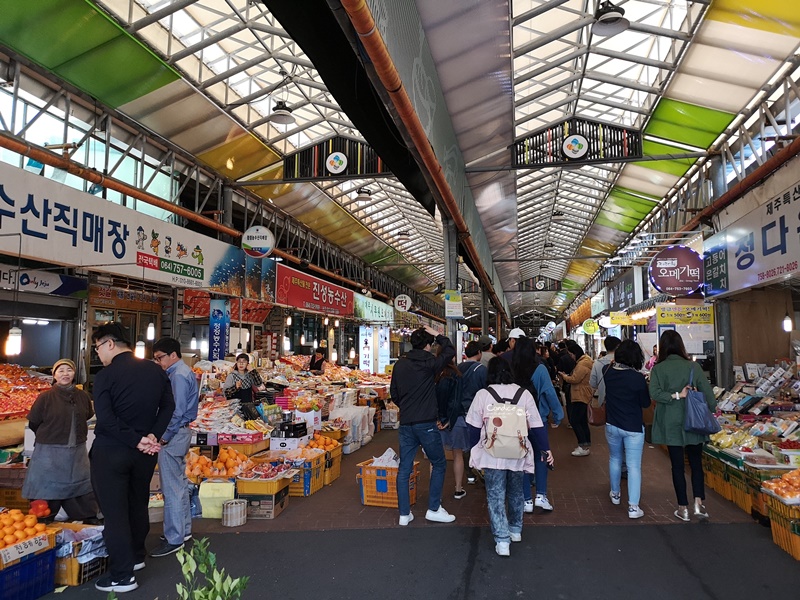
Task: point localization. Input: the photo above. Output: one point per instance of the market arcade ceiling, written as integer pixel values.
(211, 75)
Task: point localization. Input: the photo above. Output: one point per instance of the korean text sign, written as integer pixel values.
(306, 292)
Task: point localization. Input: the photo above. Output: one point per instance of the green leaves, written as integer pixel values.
(214, 584)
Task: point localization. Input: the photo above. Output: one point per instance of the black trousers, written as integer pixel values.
(579, 419)
(77, 509)
(121, 481)
(695, 454)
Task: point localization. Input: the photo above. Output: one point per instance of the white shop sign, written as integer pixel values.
(65, 226)
(764, 245)
(20, 549)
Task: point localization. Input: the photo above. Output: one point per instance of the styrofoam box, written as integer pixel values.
(276, 443)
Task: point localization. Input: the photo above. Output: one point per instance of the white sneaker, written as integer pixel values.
(440, 516)
(542, 502)
(503, 549)
(581, 451)
(528, 506)
(406, 519)
(516, 537)
(634, 512)
(139, 566)
(614, 497)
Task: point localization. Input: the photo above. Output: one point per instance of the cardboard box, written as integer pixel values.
(204, 439)
(266, 506)
(288, 443)
(155, 482)
(240, 438)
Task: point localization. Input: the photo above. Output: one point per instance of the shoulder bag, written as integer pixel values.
(597, 414)
(698, 417)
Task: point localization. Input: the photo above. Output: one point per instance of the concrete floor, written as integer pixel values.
(330, 546)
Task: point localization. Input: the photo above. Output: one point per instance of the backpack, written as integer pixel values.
(506, 427)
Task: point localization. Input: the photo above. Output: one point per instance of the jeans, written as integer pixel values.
(539, 476)
(504, 487)
(175, 486)
(695, 454)
(579, 419)
(121, 480)
(631, 444)
(411, 438)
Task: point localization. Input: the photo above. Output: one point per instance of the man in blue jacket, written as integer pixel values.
(413, 390)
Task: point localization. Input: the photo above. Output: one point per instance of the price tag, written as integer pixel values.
(20, 549)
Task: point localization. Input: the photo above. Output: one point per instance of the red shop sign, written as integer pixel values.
(677, 271)
(306, 292)
(196, 305)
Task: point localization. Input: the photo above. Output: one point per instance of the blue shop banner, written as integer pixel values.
(219, 329)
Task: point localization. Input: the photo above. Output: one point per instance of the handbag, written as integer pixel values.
(698, 417)
(595, 412)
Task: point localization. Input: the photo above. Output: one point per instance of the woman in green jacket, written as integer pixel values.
(669, 384)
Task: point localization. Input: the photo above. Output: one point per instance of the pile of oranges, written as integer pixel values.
(17, 527)
(322, 442)
(229, 463)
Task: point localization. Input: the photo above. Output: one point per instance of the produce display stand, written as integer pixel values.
(785, 523)
(29, 579)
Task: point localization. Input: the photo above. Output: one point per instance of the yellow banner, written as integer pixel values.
(684, 315)
(622, 318)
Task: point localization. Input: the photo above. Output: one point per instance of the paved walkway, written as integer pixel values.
(330, 546)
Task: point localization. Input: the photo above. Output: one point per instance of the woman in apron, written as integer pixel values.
(58, 471)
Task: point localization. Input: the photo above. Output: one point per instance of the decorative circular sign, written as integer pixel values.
(575, 146)
(677, 271)
(402, 303)
(258, 242)
(336, 162)
(605, 322)
(540, 284)
(550, 327)
(590, 327)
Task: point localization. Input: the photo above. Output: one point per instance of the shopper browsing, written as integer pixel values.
(58, 471)
(175, 444)
(473, 372)
(413, 390)
(452, 427)
(134, 405)
(503, 475)
(626, 394)
(531, 373)
(580, 396)
(669, 384)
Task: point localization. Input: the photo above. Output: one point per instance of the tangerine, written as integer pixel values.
(40, 527)
(17, 516)
(8, 530)
(30, 531)
(19, 525)
(31, 520)
(230, 463)
(21, 535)
(10, 539)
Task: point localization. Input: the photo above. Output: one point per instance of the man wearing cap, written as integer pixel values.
(513, 335)
(134, 404)
(175, 444)
(413, 390)
(486, 350)
(473, 378)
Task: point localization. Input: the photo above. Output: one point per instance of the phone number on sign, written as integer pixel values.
(782, 270)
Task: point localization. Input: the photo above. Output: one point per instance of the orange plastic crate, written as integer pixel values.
(378, 485)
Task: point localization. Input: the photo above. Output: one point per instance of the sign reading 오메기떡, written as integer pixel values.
(677, 271)
(668, 314)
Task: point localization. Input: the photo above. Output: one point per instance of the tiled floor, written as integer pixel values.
(578, 489)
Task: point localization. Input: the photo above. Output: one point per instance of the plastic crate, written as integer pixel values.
(29, 579)
(12, 498)
(51, 532)
(740, 491)
(788, 511)
(378, 485)
(784, 533)
(716, 476)
(309, 479)
(333, 469)
(68, 570)
(755, 477)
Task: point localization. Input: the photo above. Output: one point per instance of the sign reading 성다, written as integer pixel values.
(677, 271)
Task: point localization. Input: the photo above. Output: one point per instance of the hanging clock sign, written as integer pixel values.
(336, 162)
(258, 242)
(575, 146)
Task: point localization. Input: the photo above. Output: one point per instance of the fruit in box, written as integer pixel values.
(17, 527)
(229, 463)
(322, 442)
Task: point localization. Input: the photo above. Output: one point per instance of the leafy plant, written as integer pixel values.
(202, 579)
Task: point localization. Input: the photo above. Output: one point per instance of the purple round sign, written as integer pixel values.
(677, 271)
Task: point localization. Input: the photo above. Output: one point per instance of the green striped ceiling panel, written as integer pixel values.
(687, 123)
(618, 222)
(76, 41)
(676, 166)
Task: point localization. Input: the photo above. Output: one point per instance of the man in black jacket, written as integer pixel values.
(413, 390)
(133, 402)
